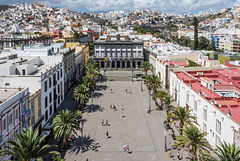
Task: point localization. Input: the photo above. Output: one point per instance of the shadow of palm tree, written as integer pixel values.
(93, 108)
(97, 94)
(101, 87)
(83, 144)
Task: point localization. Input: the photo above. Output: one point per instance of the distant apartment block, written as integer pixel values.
(12, 41)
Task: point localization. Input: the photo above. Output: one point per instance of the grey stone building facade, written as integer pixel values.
(118, 53)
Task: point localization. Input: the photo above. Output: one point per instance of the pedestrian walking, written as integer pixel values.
(124, 147)
(121, 114)
(102, 122)
(121, 107)
(106, 122)
(178, 155)
(111, 106)
(107, 135)
(114, 107)
(170, 153)
(127, 149)
(126, 91)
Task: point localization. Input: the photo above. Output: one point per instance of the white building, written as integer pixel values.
(213, 97)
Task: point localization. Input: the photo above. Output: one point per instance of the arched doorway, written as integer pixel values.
(139, 63)
(134, 64)
(113, 64)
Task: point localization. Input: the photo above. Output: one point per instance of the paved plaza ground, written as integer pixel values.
(142, 132)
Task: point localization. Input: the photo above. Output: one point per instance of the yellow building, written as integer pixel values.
(36, 105)
(85, 49)
(65, 39)
(71, 44)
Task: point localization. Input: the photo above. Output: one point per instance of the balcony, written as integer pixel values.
(27, 114)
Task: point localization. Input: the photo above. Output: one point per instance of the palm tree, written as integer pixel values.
(195, 142)
(153, 82)
(81, 94)
(160, 94)
(225, 152)
(58, 158)
(91, 69)
(167, 101)
(146, 66)
(28, 146)
(88, 82)
(182, 115)
(65, 124)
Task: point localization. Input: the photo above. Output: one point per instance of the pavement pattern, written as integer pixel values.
(142, 132)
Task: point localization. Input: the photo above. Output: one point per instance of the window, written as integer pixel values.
(4, 124)
(16, 115)
(61, 73)
(238, 142)
(205, 114)
(195, 105)
(58, 74)
(187, 97)
(50, 82)
(46, 102)
(23, 72)
(58, 88)
(218, 126)
(45, 86)
(50, 110)
(39, 101)
(10, 119)
(204, 127)
(46, 115)
(139, 47)
(50, 97)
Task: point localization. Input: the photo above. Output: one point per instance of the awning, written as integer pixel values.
(46, 132)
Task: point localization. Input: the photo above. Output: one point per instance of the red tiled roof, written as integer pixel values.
(229, 79)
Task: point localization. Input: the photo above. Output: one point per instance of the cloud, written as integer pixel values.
(173, 6)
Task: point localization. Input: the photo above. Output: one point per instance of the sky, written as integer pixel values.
(169, 6)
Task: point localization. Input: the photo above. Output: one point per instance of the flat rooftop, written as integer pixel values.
(7, 93)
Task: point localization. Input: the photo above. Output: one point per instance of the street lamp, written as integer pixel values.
(165, 133)
(132, 69)
(141, 83)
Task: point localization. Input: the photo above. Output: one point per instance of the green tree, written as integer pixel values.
(81, 94)
(203, 43)
(160, 94)
(92, 69)
(195, 23)
(225, 152)
(153, 82)
(147, 66)
(195, 142)
(58, 158)
(76, 36)
(88, 82)
(182, 115)
(65, 124)
(167, 101)
(28, 146)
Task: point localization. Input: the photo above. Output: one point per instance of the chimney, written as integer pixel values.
(182, 79)
(229, 113)
(200, 92)
(190, 84)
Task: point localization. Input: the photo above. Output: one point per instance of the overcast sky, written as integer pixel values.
(170, 6)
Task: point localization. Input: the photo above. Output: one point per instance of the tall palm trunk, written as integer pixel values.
(181, 124)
